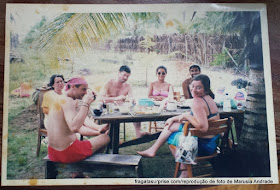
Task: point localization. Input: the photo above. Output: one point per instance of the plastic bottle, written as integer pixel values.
(227, 104)
(240, 97)
(170, 93)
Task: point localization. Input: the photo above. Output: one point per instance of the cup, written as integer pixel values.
(91, 92)
(177, 96)
(110, 108)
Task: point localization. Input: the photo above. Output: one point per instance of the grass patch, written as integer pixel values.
(21, 155)
(17, 105)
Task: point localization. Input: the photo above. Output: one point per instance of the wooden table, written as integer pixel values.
(116, 118)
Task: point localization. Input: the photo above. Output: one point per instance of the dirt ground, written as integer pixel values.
(27, 119)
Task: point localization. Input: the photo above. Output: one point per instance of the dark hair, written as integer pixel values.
(194, 66)
(76, 85)
(206, 84)
(125, 68)
(161, 67)
(53, 78)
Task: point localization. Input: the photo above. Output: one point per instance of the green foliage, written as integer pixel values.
(147, 43)
(35, 31)
(174, 53)
(220, 59)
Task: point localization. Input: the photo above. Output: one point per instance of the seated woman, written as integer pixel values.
(158, 90)
(57, 83)
(204, 109)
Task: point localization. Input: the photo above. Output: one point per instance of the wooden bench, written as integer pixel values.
(99, 165)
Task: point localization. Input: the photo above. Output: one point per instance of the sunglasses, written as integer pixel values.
(159, 73)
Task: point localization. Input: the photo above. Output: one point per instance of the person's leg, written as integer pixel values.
(86, 131)
(99, 142)
(90, 131)
(151, 152)
(138, 130)
(184, 174)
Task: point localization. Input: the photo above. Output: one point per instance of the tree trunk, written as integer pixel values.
(204, 49)
(253, 145)
(186, 47)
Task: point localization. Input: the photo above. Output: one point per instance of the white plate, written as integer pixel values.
(157, 103)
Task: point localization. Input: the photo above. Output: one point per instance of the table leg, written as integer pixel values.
(111, 132)
(238, 123)
(115, 139)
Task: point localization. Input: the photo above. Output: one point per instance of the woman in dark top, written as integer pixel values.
(203, 109)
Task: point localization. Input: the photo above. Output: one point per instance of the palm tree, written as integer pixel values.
(73, 32)
(253, 144)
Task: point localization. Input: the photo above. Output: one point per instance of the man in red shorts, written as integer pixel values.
(64, 121)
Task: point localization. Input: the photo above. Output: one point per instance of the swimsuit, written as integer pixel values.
(157, 93)
(206, 146)
(77, 151)
(210, 114)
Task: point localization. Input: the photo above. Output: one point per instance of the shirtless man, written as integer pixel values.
(120, 91)
(64, 121)
(194, 70)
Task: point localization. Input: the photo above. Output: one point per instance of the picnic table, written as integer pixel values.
(116, 118)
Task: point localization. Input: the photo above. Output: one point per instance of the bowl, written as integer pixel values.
(146, 102)
(97, 112)
(157, 103)
(124, 109)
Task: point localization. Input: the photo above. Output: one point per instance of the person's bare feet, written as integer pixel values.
(104, 128)
(142, 134)
(184, 174)
(78, 175)
(147, 153)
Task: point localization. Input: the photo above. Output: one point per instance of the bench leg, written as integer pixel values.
(139, 170)
(50, 170)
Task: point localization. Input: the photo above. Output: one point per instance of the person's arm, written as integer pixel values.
(76, 120)
(90, 123)
(185, 86)
(150, 91)
(45, 103)
(199, 118)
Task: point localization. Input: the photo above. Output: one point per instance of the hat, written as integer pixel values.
(194, 65)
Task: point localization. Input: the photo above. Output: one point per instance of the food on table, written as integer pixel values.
(146, 110)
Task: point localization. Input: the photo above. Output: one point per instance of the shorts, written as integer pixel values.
(77, 151)
(205, 146)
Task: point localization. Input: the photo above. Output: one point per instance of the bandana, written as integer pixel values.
(75, 81)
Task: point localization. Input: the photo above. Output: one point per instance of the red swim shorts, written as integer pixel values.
(77, 151)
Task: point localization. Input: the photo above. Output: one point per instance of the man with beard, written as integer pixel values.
(64, 121)
(194, 70)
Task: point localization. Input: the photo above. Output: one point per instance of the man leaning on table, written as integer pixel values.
(193, 70)
(64, 121)
(119, 91)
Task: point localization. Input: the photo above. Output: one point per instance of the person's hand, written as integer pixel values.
(120, 98)
(104, 128)
(159, 98)
(168, 123)
(88, 98)
(182, 117)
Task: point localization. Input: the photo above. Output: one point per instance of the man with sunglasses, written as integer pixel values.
(193, 70)
(119, 91)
